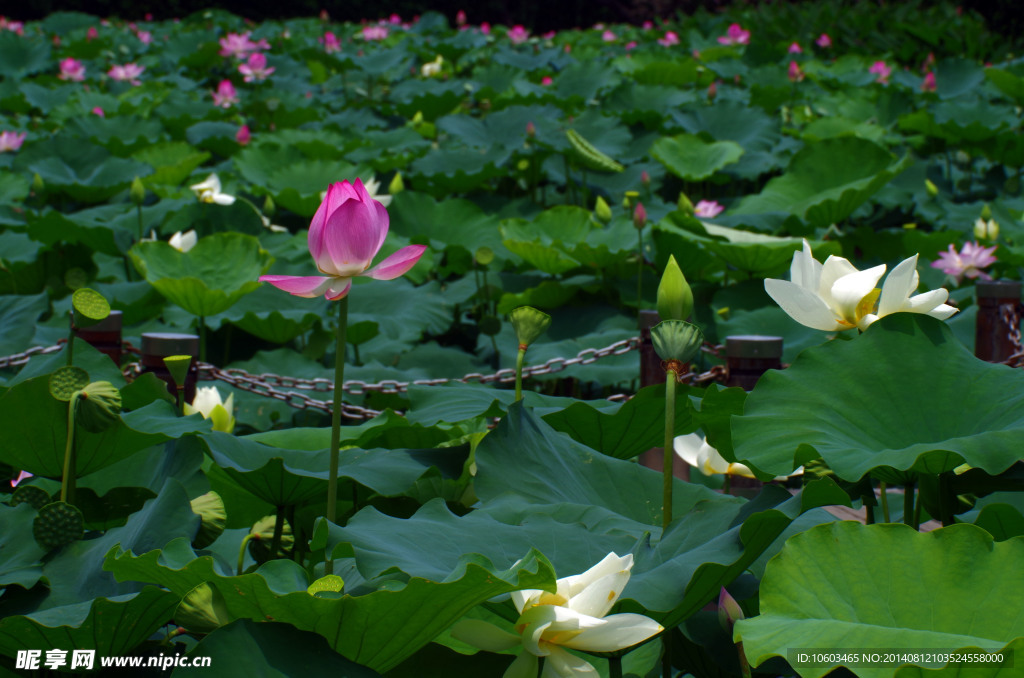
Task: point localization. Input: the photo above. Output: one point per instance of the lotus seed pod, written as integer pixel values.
(137, 192)
(99, 406)
(34, 496)
(676, 340)
(529, 323)
(484, 256)
(602, 211)
(90, 307)
(675, 298)
(684, 205)
(66, 381)
(178, 366)
(213, 518)
(58, 524)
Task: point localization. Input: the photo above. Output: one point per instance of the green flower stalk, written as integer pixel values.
(529, 323)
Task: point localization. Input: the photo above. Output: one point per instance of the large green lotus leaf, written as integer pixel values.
(1010, 84)
(430, 98)
(692, 158)
(173, 161)
(378, 630)
(771, 321)
(843, 400)
(98, 365)
(977, 669)
(245, 648)
(20, 56)
(264, 315)
(20, 555)
(121, 135)
(209, 278)
(13, 189)
(86, 172)
(826, 181)
(731, 121)
(97, 227)
(453, 403)
(403, 311)
(646, 104)
(111, 626)
(298, 186)
(848, 585)
(33, 432)
(954, 77)
(18, 315)
(459, 170)
(637, 426)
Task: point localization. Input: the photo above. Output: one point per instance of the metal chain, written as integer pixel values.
(1010, 315)
(23, 357)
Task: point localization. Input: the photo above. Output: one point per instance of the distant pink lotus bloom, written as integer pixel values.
(225, 95)
(72, 69)
(243, 136)
(967, 262)
(460, 18)
(631, 45)
(92, 34)
(639, 215)
(517, 34)
(56, 41)
(712, 91)
(550, 35)
(546, 80)
(11, 141)
(608, 36)
(647, 25)
(928, 62)
(239, 46)
(823, 41)
(375, 32)
(735, 36)
(99, 111)
(255, 69)
(330, 42)
(795, 48)
(395, 19)
(670, 39)
(347, 231)
(794, 73)
(928, 84)
(882, 70)
(485, 28)
(145, 37)
(126, 73)
(13, 26)
(21, 476)
(707, 209)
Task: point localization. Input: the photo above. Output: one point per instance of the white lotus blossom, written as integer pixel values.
(208, 403)
(209, 191)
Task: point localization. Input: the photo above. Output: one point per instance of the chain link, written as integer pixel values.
(1010, 316)
(23, 357)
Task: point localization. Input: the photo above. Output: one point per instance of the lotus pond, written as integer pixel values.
(451, 208)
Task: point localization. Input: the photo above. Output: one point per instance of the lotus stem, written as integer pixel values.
(339, 383)
(668, 452)
(241, 552)
(744, 664)
(615, 667)
(519, 372)
(71, 337)
(885, 502)
(275, 543)
(908, 505)
(202, 338)
(944, 503)
(67, 482)
(639, 273)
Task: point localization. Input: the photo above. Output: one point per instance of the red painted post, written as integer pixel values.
(998, 319)
(104, 336)
(749, 356)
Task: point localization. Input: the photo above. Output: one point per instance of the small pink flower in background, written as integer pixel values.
(713, 90)
(882, 70)
(11, 141)
(695, 54)
(794, 73)
(639, 215)
(255, 69)
(99, 111)
(330, 42)
(56, 41)
(225, 95)
(239, 46)
(243, 136)
(670, 39)
(21, 476)
(823, 41)
(630, 45)
(145, 37)
(608, 36)
(795, 48)
(375, 32)
(707, 209)
(735, 36)
(546, 80)
(928, 62)
(127, 73)
(531, 129)
(967, 262)
(395, 19)
(550, 35)
(92, 34)
(645, 178)
(13, 26)
(517, 34)
(72, 69)
(485, 28)
(325, 15)
(598, 27)
(347, 231)
(647, 25)
(460, 18)
(928, 84)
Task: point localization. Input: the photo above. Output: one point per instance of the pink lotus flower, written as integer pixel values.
(243, 136)
(707, 209)
(735, 36)
(517, 34)
(670, 39)
(128, 73)
(631, 45)
(99, 111)
(795, 48)
(145, 36)
(546, 80)
(72, 69)
(11, 141)
(21, 476)
(13, 26)
(647, 25)
(928, 84)
(225, 96)
(460, 18)
(375, 32)
(794, 73)
(608, 36)
(239, 46)
(883, 72)
(345, 235)
(823, 41)
(967, 262)
(395, 19)
(550, 35)
(92, 34)
(330, 42)
(255, 69)
(485, 28)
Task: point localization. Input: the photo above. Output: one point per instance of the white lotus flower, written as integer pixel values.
(695, 451)
(836, 296)
(208, 403)
(183, 242)
(572, 617)
(209, 191)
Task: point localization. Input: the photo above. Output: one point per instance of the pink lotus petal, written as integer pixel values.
(308, 286)
(338, 288)
(352, 237)
(337, 193)
(397, 264)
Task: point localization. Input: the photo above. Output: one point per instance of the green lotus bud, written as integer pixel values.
(99, 406)
(684, 205)
(397, 185)
(38, 187)
(986, 230)
(675, 298)
(529, 323)
(137, 192)
(630, 200)
(986, 212)
(602, 211)
(213, 518)
(932, 189)
(729, 611)
(269, 208)
(676, 340)
(639, 216)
